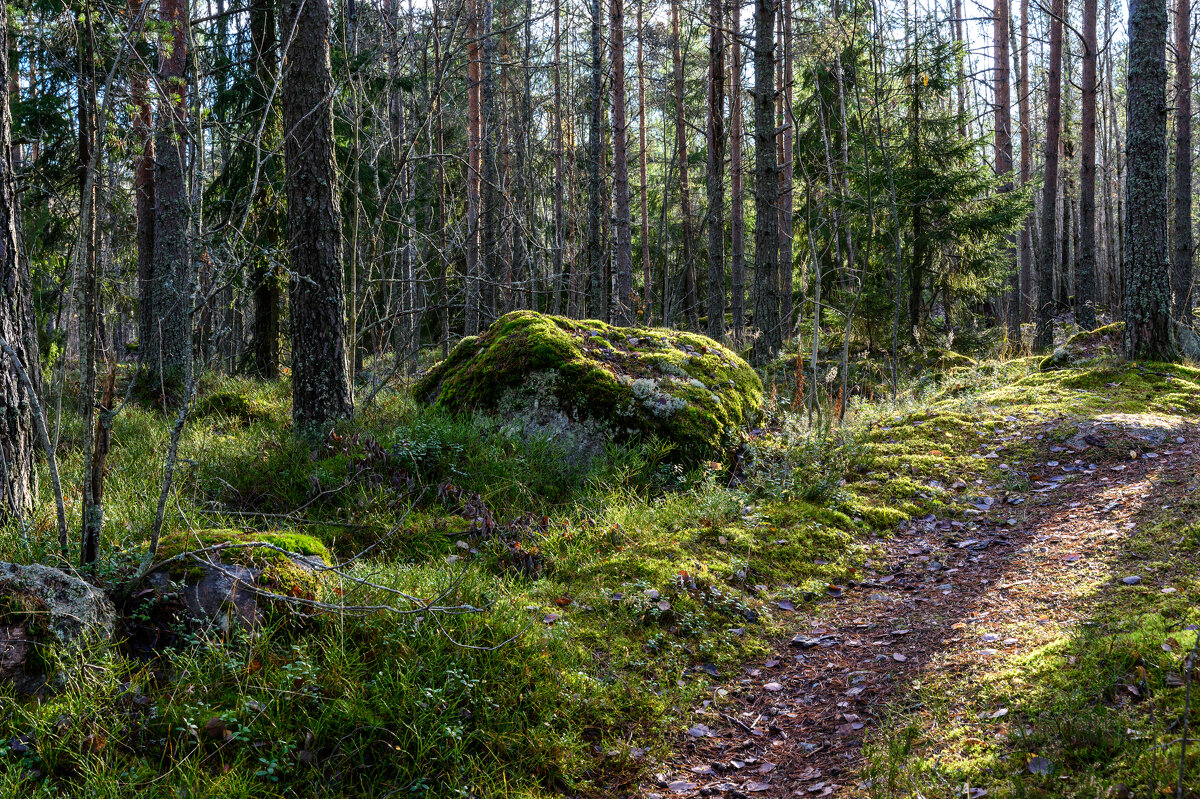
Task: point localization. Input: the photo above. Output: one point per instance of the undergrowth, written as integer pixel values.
(610, 583)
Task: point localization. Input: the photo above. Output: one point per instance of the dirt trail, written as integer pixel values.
(949, 595)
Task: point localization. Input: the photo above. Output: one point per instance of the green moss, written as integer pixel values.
(681, 387)
(947, 359)
(231, 404)
(1111, 332)
(279, 572)
(1086, 346)
(882, 517)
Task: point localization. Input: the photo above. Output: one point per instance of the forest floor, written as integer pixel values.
(935, 599)
(986, 652)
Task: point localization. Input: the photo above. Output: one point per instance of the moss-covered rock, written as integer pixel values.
(42, 606)
(945, 360)
(233, 572)
(1085, 346)
(232, 405)
(681, 387)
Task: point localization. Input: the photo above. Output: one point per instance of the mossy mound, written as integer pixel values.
(275, 572)
(681, 387)
(1086, 346)
(230, 404)
(945, 360)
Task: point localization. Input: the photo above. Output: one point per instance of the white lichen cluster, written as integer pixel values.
(648, 393)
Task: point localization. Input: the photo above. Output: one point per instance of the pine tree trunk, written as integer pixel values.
(786, 142)
(595, 250)
(495, 266)
(321, 390)
(716, 172)
(1118, 277)
(559, 233)
(766, 167)
(1181, 268)
(143, 188)
(1085, 276)
(266, 278)
(737, 222)
(1004, 158)
(1044, 336)
(171, 341)
(91, 516)
(647, 279)
(1026, 280)
(1147, 264)
(17, 443)
(691, 304)
(623, 216)
(474, 169)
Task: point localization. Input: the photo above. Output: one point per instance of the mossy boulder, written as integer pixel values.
(1085, 346)
(232, 405)
(681, 387)
(946, 360)
(41, 606)
(235, 573)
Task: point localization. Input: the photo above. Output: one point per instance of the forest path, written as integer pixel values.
(953, 599)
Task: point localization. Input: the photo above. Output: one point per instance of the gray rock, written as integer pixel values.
(227, 596)
(1145, 429)
(43, 606)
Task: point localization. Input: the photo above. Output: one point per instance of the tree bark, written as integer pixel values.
(595, 251)
(737, 222)
(17, 442)
(786, 142)
(623, 222)
(1004, 160)
(474, 169)
(1085, 264)
(143, 188)
(170, 348)
(716, 172)
(691, 303)
(1147, 264)
(647, 280)
(91, 516)
(266, 278)
(1026, 279)
(1181, 268)
(557, 281)
(495, 265)
(1044, 336)
(321, 391)
(766, 167)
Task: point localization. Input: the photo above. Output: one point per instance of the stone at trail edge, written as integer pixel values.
(40, 606)
(554, 373)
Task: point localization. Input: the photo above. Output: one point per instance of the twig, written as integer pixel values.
(168, 476)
